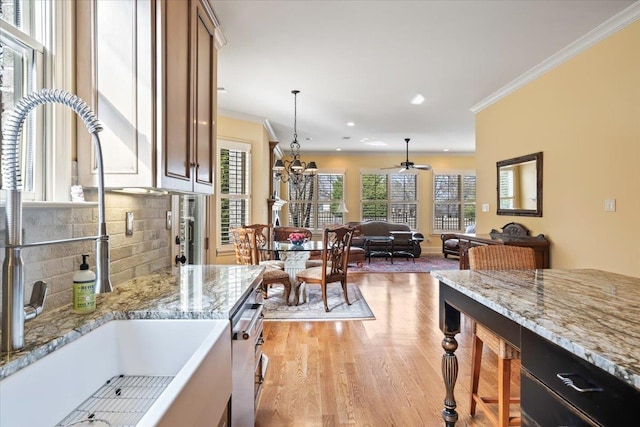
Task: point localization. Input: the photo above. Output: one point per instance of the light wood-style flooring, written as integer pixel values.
(383, 372)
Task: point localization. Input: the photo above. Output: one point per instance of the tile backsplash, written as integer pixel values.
(145, 251)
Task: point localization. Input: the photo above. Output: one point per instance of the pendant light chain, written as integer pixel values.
(295, 171)
(295, 145)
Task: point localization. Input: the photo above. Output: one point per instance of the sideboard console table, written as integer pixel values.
(512, 234)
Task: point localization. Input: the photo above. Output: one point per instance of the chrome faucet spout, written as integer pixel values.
(13, 313)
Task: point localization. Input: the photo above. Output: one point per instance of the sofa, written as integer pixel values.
(450, 243)
(405, 240)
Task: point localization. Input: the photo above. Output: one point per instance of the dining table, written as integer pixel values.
(295, 257)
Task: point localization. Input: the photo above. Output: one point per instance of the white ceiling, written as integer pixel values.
(363, 61)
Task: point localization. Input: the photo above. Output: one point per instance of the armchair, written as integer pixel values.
(451, 243)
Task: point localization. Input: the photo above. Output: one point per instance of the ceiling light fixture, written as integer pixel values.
(295, 171)
(417, 100)
(351, 124)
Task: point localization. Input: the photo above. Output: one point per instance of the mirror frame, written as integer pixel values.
(537, 157)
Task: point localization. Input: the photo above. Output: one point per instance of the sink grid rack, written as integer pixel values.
(121, 402)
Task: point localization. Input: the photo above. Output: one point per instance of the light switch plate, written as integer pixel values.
(129, 222)
(168, 225)
(485, 207)
(610, 205)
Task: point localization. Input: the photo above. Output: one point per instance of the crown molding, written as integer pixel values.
(601, 32)
(240, 116)
(270, 132)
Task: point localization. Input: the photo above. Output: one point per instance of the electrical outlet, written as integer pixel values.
(610, 205)
(168, 225)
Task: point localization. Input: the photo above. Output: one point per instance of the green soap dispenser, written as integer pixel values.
(84, 295)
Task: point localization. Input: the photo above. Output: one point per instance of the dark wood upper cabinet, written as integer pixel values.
(152, 80)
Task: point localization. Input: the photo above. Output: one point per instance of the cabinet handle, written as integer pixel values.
(564, 377)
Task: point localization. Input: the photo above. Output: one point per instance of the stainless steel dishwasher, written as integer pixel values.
(249, 364)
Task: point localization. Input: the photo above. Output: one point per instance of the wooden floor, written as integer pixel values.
(383, 372)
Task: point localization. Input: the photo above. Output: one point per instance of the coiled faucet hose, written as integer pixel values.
(11, 177)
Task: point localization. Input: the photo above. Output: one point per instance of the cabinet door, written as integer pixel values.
(175, 96)
(114, 76)
(204, 66)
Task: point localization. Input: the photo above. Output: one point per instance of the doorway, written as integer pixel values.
(189, 228)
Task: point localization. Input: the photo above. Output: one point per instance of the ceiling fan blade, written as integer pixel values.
(422, 167)
(392, 167)
(402, 170)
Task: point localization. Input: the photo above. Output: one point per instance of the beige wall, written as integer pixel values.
(352, 163)
(585, 117)
(255, 134)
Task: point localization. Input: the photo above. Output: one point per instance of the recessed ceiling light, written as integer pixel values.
(346, 137)
(376, 143)
(338, 149)
(446, 149)
(350, 124)
(417, 100)
(308, 139)
(222, 89)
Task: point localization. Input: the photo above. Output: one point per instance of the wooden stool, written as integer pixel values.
(506, 352)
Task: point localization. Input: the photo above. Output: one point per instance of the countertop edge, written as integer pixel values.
(574, 348)
(19, 361)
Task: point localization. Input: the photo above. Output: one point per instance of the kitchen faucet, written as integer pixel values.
(13, 312)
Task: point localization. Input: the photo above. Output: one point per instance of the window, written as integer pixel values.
(390, 197)
(507, 185)
(315, 205)
(36, 38)
(454, 200)
(22, 70)
(234, 191)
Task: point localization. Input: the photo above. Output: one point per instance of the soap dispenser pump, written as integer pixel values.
(84, 297)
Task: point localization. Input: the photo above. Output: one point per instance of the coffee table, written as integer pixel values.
(378, 246)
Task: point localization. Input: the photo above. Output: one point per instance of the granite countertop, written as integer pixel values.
(591, 313)
(186, 292)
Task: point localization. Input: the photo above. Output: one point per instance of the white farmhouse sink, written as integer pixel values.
(196, 352)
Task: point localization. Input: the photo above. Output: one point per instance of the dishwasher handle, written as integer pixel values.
(246, 334)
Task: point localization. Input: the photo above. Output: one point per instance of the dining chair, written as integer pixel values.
(244, 240)
(335, 262)
(496, 257)
(264, 237)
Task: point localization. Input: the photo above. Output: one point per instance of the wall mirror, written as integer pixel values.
(520, 185)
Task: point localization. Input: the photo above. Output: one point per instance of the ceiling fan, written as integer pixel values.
(406, 165)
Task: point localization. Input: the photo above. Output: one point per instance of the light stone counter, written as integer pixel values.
(593, 314)
(187, 292)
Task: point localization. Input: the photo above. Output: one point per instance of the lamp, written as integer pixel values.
(342, 208)
(294, 171)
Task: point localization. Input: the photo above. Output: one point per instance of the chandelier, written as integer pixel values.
(294, 171)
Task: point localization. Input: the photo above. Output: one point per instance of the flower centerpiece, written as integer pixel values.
(297, 238)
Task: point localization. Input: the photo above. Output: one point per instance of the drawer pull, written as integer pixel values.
(565, 378)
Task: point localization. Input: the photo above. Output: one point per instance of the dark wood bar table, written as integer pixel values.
(578, 332)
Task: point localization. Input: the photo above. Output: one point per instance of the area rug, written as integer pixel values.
(423, 264)
(313, 310)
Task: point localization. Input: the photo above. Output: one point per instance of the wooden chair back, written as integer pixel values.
(335, 259)
(264, 236)
(244, 246)
(501, 257)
